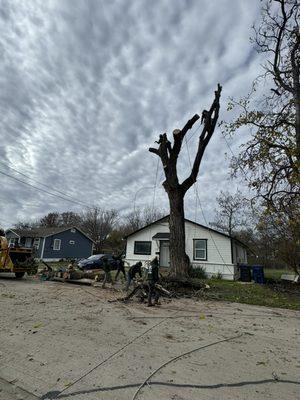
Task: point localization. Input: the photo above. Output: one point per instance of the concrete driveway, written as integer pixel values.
(68, 342)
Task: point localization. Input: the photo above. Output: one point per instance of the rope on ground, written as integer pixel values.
(109, 357)
(179, 356)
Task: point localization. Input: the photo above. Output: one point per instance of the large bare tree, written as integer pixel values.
(176, 191)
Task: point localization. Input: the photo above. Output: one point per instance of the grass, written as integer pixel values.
(276, 273)
(275, 295)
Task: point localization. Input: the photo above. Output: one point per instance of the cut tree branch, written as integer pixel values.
(210, 120)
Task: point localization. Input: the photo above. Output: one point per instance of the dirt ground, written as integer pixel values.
(66, 341)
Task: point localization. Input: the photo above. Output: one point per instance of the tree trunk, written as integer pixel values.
(179, 261)
(297, 120)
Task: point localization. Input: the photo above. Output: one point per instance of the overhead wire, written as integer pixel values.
(43, 190)
(40, 183)
(155, 184)
(202, 211)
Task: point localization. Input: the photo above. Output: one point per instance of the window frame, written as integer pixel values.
(38, 244)
(142, 241)
(194, 250)
(13, 241)
(55, 241)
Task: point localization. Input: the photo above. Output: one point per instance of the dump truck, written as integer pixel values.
(17, 260)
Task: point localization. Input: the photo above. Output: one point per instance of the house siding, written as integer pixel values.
(219, 251)
(81, 249)
(10, 234)
(239, 254)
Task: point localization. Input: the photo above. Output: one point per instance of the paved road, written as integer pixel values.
(68, 342)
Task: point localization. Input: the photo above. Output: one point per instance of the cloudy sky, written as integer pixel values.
(86, 86)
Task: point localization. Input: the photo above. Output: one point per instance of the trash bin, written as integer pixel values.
(258, 274)
(245, 273)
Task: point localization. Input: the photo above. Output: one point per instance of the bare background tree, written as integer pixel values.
(281, 232)
(26, 224)
(50, 220)
(56, 219)
(69, 218)
(98, 224)
(140, 217)
(271, 158)
(176, 191)
(232, 214)
(129, 223)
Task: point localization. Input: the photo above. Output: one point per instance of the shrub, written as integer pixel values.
(218, 276)
(198, 272)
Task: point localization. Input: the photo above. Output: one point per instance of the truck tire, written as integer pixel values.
(19, 275)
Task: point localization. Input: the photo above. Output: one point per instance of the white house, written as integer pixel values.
(206, 247)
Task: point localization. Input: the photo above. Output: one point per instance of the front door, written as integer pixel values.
(164, 254)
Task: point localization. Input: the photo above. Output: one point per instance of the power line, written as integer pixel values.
(205, 220)
(42, 190)
(193, 133)
(232, 153)
(154, 191)
(42, 184)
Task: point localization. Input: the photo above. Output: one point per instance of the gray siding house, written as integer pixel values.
(53, 244)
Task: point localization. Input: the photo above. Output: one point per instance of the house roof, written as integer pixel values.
(186, 220)
(44, 232)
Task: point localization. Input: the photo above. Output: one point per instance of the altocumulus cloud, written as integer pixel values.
(87, 86)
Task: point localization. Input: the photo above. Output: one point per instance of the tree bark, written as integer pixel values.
(178, 257)
(297, 118)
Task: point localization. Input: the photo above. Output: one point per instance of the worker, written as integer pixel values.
(133, 270)
(70, 270)
(5, 260)
(120, 266)
(106, 269)
(152, 278)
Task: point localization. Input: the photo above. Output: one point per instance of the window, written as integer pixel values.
(200, 249)
(56, 244)
(13, 241)
(71, 242)
(142, 248)
(73, 230)
(36, 243)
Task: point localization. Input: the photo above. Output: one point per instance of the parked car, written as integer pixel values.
(96, 262)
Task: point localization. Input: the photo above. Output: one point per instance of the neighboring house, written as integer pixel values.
(215, 251)
(53, 244)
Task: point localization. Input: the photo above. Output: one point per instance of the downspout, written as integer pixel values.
(43, 248)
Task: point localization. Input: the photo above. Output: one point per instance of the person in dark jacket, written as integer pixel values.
(152, 278)
(133, 270)
(106, 269)
(120, 266)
